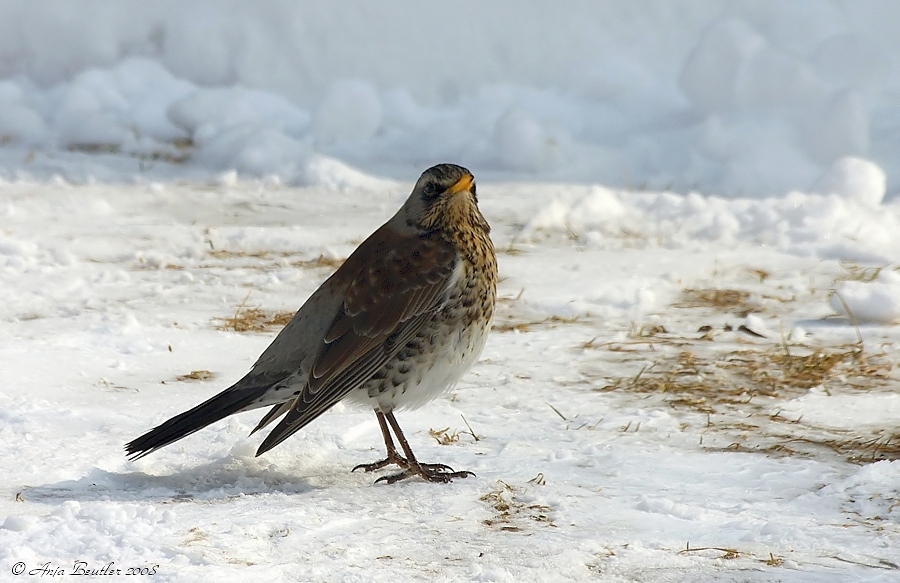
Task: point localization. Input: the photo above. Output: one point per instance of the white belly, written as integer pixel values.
(449, 362)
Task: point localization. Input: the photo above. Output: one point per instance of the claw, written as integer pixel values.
(396, 460)
(429, 472)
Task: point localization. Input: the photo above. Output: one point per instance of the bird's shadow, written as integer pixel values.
(217, 481)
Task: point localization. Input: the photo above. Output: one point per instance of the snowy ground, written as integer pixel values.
(617, 439)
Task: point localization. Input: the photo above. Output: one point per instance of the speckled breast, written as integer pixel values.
(446, 347)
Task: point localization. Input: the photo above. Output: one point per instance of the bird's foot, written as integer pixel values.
(392, 458)
(398, 460)
(430, 472)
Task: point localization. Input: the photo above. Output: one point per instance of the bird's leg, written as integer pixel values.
(392, 456)
(430, 472)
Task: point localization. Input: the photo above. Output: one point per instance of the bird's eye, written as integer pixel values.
(430, 190)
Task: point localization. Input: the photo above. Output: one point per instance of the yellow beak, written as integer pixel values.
(463, 184)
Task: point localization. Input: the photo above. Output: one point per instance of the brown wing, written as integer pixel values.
(399, 282)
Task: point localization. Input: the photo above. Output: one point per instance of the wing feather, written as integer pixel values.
(400, 282)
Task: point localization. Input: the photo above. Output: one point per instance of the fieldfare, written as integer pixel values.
(398, 323)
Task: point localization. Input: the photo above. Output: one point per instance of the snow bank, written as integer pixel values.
(846, 227)
(875, 301)
(744, 99)
(855, 179)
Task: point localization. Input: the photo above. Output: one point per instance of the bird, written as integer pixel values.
(401, 321)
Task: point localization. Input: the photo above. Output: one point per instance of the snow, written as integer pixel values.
(692, 371)
(749, 99)
(113, 291)
(853, 178)
(874, 301)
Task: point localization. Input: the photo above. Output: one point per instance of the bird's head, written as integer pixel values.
(444, 198)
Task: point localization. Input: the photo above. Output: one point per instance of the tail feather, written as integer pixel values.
(296, 419)
(226, 403)
(273, 414)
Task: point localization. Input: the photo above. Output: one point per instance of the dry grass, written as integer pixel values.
(180, 156)
(776, 373)
(167, 157)
(144, 265)
(843, 443)
(722, 300)
(444, 436)
(253, 319)
(511, 514)
(645, 331)
(195, 375)
(759, 273)
(320, 261)
(183, 143)
(510, 249)
(707, 384)
(726, 553)
(856, 272)
(745, 386)
(196, 536)
(447, 437)
(94, 148)
(225, 254)
(259, 260)
(729, 553)
(551, 322)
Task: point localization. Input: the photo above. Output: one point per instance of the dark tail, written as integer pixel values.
(228, 402)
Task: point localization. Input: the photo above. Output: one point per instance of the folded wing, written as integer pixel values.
(398, 284)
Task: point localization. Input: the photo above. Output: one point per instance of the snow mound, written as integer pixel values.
(876, 301)
(711, 72)
(741, 100)
(350, 111)
(120, 106)
(337, 176)
(854, 179)
(826, 226)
